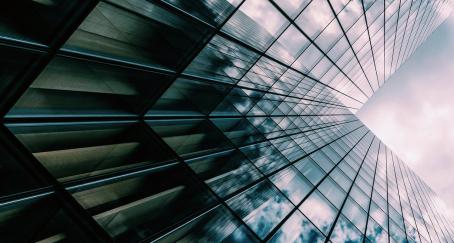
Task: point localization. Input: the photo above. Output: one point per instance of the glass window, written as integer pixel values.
(332, 191)
(322, 160)
(138, 206)
(298, 229)
(222, 60)
(36, 21)
(265, 156)
(342, 180)
(138, 32)
(75, 87)
(345, 231)
(225, 172)
(319, 211)
(257, 23)
(216, 225)
(13, 62)
(289, 46)
(261, 207)
(355, 214)
(212, 11)
(40, 218)
(75, 151)
(190, 137)
(375, 233)
(14, 177)
(292, 183)
(187, 97)
(239, 130)
(292, 8)
(310, 170)
(315, 18)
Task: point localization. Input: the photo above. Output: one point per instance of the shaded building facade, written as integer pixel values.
(207, 120)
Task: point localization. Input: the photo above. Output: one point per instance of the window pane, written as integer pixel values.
(83, 150)
(225, 172)
(261, 207)
(257, 23)
(319, 211)
(36, 21)
(292, 183)
(214, 226)
(298, 229)
(310, 170)
(141, 206)
(138, 32)
(212, 11)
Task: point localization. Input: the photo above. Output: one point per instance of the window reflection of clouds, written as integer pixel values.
(298, 229)
(344, 231)
(319, 211)
(261, 207)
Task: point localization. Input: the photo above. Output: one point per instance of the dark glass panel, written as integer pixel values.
(187, 97)
(13, 62)
(36, 21)
(72, 151)
(225, 172)
(137, 208)
(14, 178)
(138, 32)
(238, 130)
(217, 225)
(190, 137)
(40, 219)
(75, 87)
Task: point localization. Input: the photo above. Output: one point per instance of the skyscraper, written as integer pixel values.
(207, 120)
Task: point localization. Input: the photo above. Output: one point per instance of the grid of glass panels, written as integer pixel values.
(207, 120)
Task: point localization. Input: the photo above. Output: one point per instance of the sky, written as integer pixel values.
(413, 112)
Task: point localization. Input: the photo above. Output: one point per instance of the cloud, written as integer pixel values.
(413, 112)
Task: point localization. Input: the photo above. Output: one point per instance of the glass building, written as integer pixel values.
(207, 120)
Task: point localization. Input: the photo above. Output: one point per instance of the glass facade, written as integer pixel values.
(207, 120)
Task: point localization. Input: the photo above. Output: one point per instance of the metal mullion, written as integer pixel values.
(348, 192)
(398, 194)
(45, 119)
(267, 178)
(24, 80)
(404, 34)
(370, 41)
(426, 27)
(262, 91)
(404, 171)
(425, 201)
(401, 57)
(429, 25)
(245, 45)
(200, 46)
(415, 35)
(67, 202)
(202, 183)
(395, 37)
(315, 45)
(371, 193)
(387, 193)
(435, 211)
(408, 197)
(349, 43)
(384, 51)
(314, 188)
